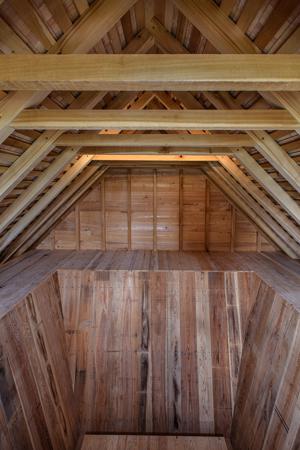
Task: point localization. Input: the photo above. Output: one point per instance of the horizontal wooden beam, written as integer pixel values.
(153, 140)
(156, 158)
(155, 120)
(150, 72)
(216, 151)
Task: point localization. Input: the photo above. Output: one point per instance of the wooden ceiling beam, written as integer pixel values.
(150, 72)
(152, 140)
(222, 33)
(50, 216)
(156, 151)
(155, 158)
(154, 120)
(245, 203)
(81, 37)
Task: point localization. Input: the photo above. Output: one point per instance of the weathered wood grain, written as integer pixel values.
(93, 442)
(155, 209)
(267, 413)
(37, 406)
(153, 351)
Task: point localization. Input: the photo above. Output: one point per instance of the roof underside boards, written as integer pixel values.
(260, 170)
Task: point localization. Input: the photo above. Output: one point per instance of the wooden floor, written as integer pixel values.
(148, 327)
(109, 442)
(20, 276)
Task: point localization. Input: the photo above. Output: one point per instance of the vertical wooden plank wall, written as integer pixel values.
(155, 351)
(155, 209)
(268, 396)
(37, 405)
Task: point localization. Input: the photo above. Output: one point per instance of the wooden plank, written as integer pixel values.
(242, 200)
(269, 184)
(36, 187)
(151, 140)
(48, 218)
(272, 423)
(59, 14)
(167, 209)
(163, 38)
(260, 197)
(98, 20)
(149, 72)
(220, 31)
(279, 15)
(278, 157)
(11, 40)
(94, 442)
(27, 161)
(45, 200)
(175, 328)
(36, 393)
(156, 120)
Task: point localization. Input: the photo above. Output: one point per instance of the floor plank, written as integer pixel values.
(110, 442)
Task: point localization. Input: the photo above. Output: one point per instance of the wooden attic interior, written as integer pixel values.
(149, 224)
